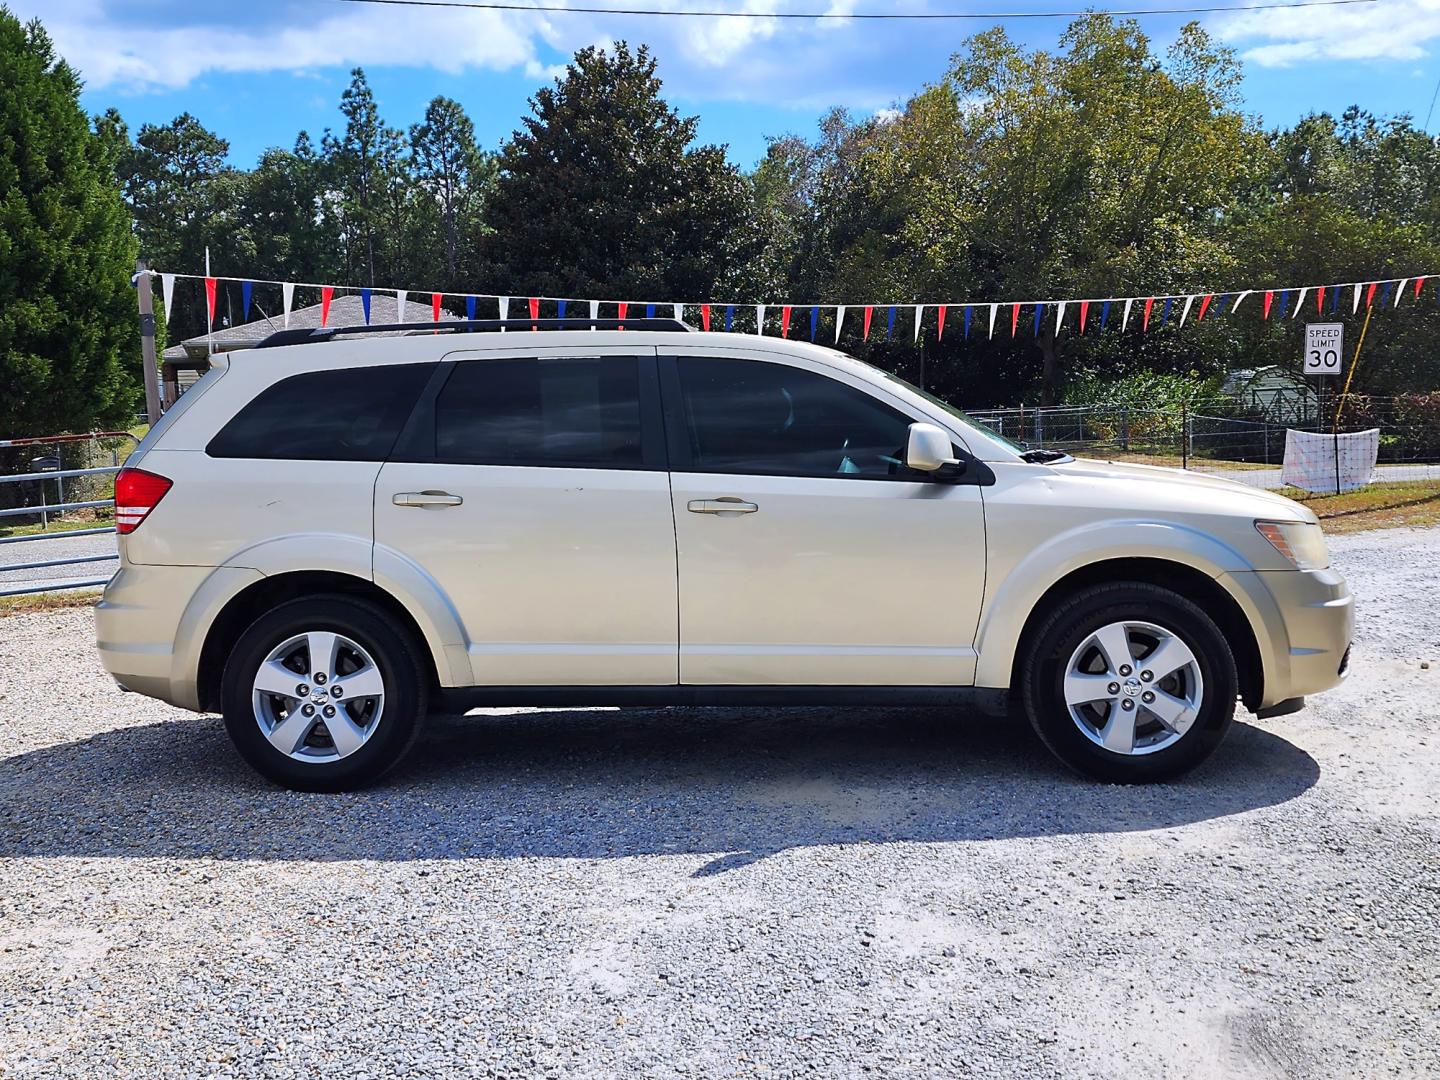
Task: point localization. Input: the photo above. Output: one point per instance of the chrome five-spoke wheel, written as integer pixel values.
(1133, 687)
(318, 696)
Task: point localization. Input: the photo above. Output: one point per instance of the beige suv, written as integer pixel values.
(341, 529)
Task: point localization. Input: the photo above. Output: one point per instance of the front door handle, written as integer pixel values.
(726, 504)
(425, 498)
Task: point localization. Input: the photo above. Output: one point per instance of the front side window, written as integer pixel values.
(344, 414)
(752, 416)
(577, 412)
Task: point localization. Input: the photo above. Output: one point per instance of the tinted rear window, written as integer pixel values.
(348, 414)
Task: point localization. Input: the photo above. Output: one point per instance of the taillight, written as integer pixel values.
(137, 492)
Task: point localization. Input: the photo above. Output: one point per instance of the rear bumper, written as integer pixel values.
(150, 626)
(1309, 619)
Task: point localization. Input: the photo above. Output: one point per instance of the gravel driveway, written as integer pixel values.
(731, 892)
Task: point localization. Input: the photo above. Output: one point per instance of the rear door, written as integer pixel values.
(808, 553)
(532, 488)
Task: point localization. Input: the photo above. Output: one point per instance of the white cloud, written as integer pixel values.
(1390, 30)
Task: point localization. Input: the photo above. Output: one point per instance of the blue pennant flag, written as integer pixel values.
(1334, 299)
(1218, 307)
(1039, 314)
(649, 311)
(245, 289)
(729, 317)
(365, 303)
(890, 322)
(562, 304)
(1165, 311)
(1104, 313)
(470, 308)
(967, 320)
(1284, 302)
(1385, 294)
(814, 321)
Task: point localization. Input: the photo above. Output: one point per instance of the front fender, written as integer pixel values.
(1019, 585)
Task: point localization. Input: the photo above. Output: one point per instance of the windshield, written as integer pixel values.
(959, 414)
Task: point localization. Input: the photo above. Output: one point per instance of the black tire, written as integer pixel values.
(1065, 629)
(394, 652)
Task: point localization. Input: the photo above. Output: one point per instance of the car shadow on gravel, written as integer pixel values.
(736, 783)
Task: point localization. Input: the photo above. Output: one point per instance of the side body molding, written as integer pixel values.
(421, 595)
(1025, 580)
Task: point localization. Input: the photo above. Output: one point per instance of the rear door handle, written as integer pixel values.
(726, 504)
(425, 498)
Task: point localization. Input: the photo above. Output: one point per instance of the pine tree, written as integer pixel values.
(69, 342)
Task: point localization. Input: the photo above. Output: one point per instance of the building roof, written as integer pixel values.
(346, 310)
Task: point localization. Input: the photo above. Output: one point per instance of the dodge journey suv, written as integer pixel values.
(340, 530)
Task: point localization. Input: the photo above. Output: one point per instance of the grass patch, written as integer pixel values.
(1414, 504)
(51, 601)
(76, 519)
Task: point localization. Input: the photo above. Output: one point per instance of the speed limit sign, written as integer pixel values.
(1324, 346)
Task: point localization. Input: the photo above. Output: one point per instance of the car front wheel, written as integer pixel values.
(323, 693)
(1130, 683)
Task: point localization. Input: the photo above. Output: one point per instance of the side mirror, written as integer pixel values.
(928, 449)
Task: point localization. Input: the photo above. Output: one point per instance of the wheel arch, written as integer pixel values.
(255, 599)
(1186, 580)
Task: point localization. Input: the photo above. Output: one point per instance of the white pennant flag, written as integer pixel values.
(759, 318)
(993, 309)
(504, 306)
(1300, 302)
(1399, 291)
(1126, 320)
(1060, 317)
(594, 309)
(1186, 311)
(400, 304)
(919, 309)
(679, 312)
(1236, 306)
(167, 291)
(839, 321)
(1356, 306)
(287, 300)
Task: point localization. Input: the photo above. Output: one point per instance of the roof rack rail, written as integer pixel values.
(471, 326)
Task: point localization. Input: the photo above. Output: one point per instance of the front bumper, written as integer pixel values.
(1307, 620)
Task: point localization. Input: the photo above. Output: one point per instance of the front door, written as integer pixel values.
(808, 554)
(533, 490)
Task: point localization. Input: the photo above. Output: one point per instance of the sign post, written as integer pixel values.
(1324, 353)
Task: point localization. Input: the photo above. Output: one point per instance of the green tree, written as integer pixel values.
(365, 167)
(456, 178)
(69, 345)
(603, 194)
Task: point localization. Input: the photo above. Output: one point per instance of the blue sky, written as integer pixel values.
(258, 73)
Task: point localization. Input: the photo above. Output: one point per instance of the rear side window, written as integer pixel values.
(347, 414)
(750, 416)
(576, 412)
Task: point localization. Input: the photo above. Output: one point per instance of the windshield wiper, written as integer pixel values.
(1043, 457)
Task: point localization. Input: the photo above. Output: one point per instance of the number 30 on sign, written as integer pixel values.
(1324, 347)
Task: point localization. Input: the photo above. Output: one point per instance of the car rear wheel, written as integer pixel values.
(323, 694)
(1130, 683)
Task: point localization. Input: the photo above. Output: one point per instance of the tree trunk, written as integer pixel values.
(1050, 372)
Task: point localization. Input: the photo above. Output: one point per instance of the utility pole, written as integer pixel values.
(141, 281)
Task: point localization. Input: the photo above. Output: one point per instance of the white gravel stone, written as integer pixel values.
(728, 892)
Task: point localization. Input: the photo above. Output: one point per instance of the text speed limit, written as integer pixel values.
(1324, 347)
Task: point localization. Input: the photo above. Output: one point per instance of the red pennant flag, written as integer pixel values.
(534, 307)
(1370, 293)
(326, 294)
(1269, 299)
(210, 299)
(435, 299)
(869, 311)
(1014, 318)
(624, 307)
(1084, 311)
(940, 317)
(1149, 303)
(705, 317)
(1204, 306)
(1419, 281)
(785, 321)
(1320, 300)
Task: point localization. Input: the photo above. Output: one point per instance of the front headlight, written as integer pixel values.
(1302, 544)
